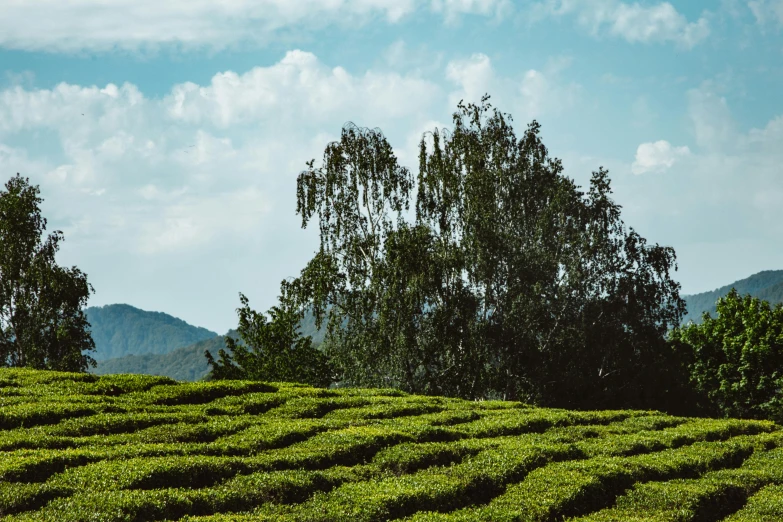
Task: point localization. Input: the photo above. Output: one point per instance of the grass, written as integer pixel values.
(79, 447)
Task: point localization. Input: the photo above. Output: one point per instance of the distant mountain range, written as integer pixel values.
(766, 285)
(121, 329)
(183, 364)
(130, 340)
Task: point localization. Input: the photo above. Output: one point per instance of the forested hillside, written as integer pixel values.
(183, 364)
(121, 329)
(766, 285)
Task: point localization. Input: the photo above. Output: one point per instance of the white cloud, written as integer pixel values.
(726, 186)
(177, 172)
(535, 93)
(396, 54)
(660, 22)
(204, 173)
(16, 160)
(24, 78)
(419, 61)
(657, 156)
(196, 221)
(302, 88)
(475, 77)
(146, 25)
(452, 9)
(90, 110)
(767, 11)
(710, 118)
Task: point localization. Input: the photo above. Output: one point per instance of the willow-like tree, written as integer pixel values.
(509, 283)
(570, 310)
(42, 323)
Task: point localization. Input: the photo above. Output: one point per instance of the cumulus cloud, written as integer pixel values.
(660, 22)
(95, 25)
(535, 93)
(473, 75)
(301, 87)
(140, 183)
(186, 164)
(657, 156)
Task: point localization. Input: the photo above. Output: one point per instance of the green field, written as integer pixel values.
(133, 447)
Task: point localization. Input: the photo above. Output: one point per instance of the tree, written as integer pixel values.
(735, 360)
(42, 323)
(271, 350)
(509, 283)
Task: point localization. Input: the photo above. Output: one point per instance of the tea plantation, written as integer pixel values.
(132, 447)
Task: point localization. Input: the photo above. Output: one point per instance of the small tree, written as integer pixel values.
(735, 360)
(271, 350)
(42, 323)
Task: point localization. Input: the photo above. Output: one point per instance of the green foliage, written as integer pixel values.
(509, 283)
(35, 414)
(736, 359)
(271, 350)
(42, 324)
(200, 393)
(150, 449)
(709, 497)
(764, 506)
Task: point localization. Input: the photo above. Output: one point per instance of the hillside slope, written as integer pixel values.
(121, 329)
(183, 364)
(77, 447)
(766, 285)
(186, 363)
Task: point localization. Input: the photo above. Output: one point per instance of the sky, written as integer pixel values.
(166, 137)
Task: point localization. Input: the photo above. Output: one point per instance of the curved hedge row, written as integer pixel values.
(79, 447)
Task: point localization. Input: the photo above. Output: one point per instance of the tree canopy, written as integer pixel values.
(42, 323)
(735, 360)
(509, 283)
(270, 350)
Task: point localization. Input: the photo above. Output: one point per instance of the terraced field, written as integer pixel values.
(82, 447)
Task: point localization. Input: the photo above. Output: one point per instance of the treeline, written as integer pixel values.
(492, 275)
(509, 283)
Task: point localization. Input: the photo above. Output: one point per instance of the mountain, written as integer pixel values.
(183, 364)
(171, 347)
(120, 329)
(187, 363)
(766, 285)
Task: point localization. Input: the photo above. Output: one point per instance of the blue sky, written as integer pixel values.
(166, 137)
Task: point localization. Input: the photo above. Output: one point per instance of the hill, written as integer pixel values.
(121, 329)
(766, 285)
(186, 363)
(110, 448)
(183, 364)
